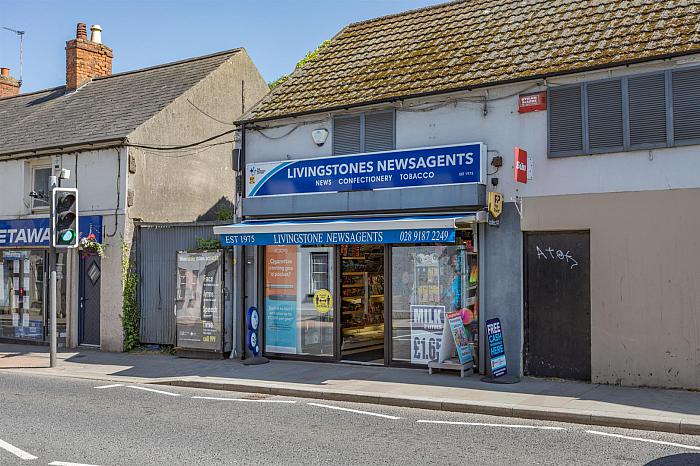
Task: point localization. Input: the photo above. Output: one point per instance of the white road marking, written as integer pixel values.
(153, 390)
(485, 424)
(67, 463)
(242, 399)
(110, 386)
(353, 410)
(639, 439)
(16, 451)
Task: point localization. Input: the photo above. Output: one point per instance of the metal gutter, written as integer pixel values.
(62, 149)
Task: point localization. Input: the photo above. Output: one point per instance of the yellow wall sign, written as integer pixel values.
(495, 204)
(323, 301)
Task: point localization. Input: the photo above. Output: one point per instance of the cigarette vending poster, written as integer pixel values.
(198, 303)
(281, 299)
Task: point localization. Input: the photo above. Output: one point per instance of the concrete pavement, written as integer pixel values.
(675, 411)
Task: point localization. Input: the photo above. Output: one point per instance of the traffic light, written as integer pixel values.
(64, 224)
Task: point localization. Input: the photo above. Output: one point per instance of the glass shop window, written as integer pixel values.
(429, 281)
(298, 300)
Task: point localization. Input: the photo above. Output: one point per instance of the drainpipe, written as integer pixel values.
(241, 264)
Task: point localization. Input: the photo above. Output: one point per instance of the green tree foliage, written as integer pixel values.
(130, 310)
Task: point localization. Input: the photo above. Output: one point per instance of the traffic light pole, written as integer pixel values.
(52, 282)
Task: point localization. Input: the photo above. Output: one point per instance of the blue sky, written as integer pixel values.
(143, 33)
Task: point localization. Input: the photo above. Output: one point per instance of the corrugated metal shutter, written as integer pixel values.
(346, 135)
(647, 109)
(156, 262)
(686, 105)
(565, 121)
(379, 131)
(605, 115)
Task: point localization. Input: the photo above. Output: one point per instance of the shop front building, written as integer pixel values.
(24, 286)
(361, 257)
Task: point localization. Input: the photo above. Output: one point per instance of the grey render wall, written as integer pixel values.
(156, 262)
(502, 250)
(192, 185)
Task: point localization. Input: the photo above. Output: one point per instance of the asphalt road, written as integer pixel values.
(61, 421)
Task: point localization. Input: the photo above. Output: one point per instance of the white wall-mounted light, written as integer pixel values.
(320, 136)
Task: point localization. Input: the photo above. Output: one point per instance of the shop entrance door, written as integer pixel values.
(362, 303)
(558, 305)
(89, 301)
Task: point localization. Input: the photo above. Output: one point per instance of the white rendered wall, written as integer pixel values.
(501, 129)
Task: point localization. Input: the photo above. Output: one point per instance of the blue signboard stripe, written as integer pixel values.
(35, 231)
(430, 166)
(405, 236)
(268, 176)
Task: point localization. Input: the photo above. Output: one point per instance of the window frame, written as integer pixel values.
(32, 181)
(627, 146)
(312, 272)
(362, 116)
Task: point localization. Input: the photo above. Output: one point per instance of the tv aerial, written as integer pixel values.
(21, 49)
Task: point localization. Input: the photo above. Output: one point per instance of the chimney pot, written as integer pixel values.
(9, 86)
(81, 31)
(96, 34)
(85, 59)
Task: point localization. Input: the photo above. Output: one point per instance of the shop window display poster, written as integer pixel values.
(427, 323)
(281, 311)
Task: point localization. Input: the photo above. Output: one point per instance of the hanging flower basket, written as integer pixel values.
(89, 246)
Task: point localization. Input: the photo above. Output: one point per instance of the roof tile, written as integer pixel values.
(472, 43)
(104, 109)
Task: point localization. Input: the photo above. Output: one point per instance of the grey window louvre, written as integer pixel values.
(366, 132)
(685, 88)
(379, 131)
(605, 128)
(565, 121)
(346, 135)
(647, 110)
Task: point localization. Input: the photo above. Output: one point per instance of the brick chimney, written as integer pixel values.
(86, 59)
(9, 86)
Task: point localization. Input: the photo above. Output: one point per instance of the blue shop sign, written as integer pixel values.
(36, 231)
(433, 235)
(429, 166)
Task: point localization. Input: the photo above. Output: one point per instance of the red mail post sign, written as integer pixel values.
(520, 165)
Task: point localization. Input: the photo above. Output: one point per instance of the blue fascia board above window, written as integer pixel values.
(366, 230)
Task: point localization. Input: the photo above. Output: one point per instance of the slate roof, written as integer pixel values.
(475, 43)
(105, 109)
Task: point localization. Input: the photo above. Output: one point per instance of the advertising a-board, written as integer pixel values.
(497, 352)
(459, 336)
